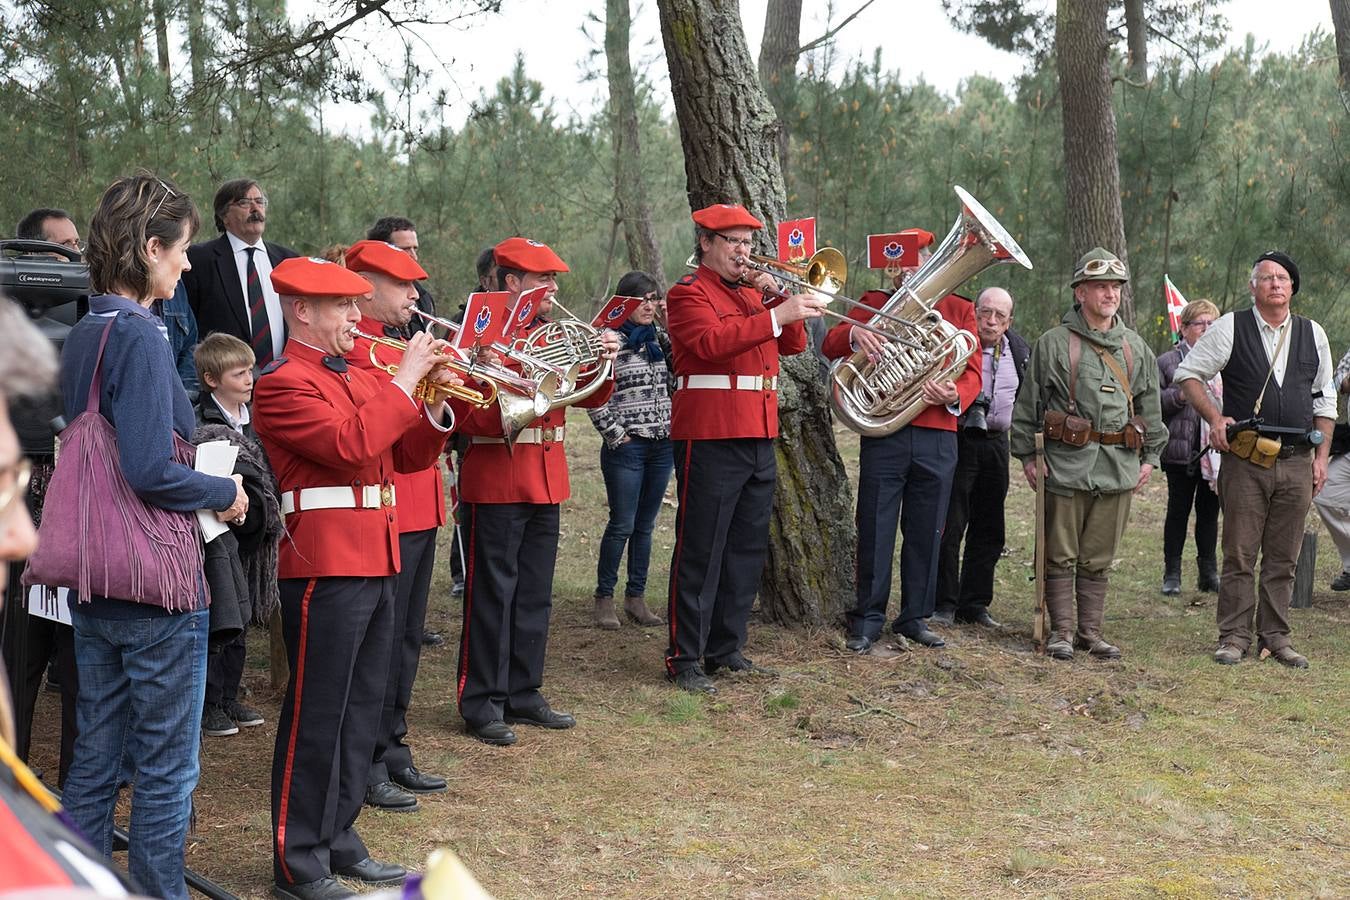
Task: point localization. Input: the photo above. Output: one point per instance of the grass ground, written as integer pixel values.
(979, 770)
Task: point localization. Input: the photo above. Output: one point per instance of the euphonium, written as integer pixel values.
(519, 400)
(879, 397)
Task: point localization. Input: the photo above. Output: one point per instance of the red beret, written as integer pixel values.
(309, 276)
(925, 237)
(725, 215)
(377, 256)
(528, 256)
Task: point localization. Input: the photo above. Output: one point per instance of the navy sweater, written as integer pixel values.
(142, 397)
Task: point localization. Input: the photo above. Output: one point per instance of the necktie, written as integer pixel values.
(257, 312)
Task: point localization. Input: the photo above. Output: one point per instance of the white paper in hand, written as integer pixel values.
(214, 458)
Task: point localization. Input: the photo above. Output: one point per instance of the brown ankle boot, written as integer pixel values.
(635, 608)
(605, 616)
(1091, 613)
(1059, 603)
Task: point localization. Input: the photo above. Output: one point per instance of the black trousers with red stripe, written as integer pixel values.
(508, 598)
(417, 551)
(721, 539)
(338, 634)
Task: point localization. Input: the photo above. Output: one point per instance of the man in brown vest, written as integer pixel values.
(1276, 367)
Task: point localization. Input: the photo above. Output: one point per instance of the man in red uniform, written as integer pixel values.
(335, 435)
(394, 273)
(905, 476)
(724, 417)
(510, 519)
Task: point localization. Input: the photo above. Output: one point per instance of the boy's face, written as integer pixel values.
(235, 387)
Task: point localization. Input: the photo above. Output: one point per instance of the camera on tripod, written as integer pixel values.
(977, 417)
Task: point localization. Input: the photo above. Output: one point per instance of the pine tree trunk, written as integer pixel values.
(729, 133)
(1136, 38)
(630, 192)
(162, 44)
(1340, 19)
(778, 67)
(196, 30)
(1092, 176)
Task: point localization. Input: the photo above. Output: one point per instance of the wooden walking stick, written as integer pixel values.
(1038, 628)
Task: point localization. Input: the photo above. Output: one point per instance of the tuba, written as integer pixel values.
(877, 398)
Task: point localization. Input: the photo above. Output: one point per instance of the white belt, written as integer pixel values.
(550, 435)
(372, 496)
(723, 382)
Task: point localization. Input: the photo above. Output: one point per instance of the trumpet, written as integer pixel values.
(519, 400)
(564, 378)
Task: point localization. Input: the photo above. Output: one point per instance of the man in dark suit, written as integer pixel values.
(229, 286)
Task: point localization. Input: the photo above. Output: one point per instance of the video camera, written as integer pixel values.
(41, 276)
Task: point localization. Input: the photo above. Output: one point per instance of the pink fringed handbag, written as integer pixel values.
(98, 538)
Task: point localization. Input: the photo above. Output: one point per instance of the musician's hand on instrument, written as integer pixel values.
(446, 376)
(423, 354)
(865, 341)
(1144, 472)
(798, 307)
(236, 511)
(611, 342)
(763, 281)
(940, 393)
(1218, 433)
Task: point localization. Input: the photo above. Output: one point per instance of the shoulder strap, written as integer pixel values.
(1110, 362)
(1256, 410)
(1075, 353)
(1129, 359)
(96, 380)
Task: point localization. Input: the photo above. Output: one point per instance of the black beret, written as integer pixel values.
(1282, 259)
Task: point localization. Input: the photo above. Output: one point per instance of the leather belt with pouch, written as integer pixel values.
(1256, 448)
(1077, 431)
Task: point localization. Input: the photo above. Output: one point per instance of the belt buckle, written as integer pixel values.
(549, 434)
(386, 495)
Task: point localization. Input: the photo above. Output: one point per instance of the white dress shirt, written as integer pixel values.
(263, 264)
(1210, 354)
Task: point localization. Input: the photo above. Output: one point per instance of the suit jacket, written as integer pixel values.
(214, 291)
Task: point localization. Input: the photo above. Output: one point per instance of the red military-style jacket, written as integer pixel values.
(531, 472)
(421, 495)
(724, 331)
(326, 427)
(956, 310)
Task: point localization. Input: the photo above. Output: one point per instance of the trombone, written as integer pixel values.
(519, 400)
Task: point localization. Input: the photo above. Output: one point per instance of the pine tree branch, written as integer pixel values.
(827, 36)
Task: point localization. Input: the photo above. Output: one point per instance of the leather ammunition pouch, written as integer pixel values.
(1255, 448)
(1075, 431)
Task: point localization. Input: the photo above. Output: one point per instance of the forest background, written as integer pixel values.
(1221, 155)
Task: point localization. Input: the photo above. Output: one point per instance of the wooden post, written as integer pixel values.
(1304, 571)
(1038, 627)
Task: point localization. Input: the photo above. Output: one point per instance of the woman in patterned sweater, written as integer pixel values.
(636, 458)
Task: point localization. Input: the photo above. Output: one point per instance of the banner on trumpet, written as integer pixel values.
(615, 312)
(526, 310)
(796, 239)
(484, 320)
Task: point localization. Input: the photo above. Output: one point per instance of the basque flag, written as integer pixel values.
(1174, 302)
(615, 312)
(796, 240)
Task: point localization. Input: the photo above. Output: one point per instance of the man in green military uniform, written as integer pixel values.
(1092, 387)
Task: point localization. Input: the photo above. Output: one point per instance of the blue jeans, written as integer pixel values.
(636, 474)
(142, 684)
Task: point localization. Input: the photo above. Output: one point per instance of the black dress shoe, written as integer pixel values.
(858, 644)
(326, 888)
(372, 871)
(410, 779)
(694, 681)
(432, 639)
(495, 733)
(737, 664)
(979, 618)
(387, 795)
(922, 635)
(945, 617)
(543, 717)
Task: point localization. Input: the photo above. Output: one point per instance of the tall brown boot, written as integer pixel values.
(1091, 613)
(605, 616)
(1059, 603)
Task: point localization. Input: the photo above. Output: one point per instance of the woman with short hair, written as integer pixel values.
(142, 665)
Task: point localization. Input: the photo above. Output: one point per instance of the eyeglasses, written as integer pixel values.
(75, 244)
(15, 481)
(1274, 279)
(246, 202)
(1095, 267)
(992, 314)
(1198, 323)
(167, 194)
(747, 243)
